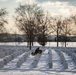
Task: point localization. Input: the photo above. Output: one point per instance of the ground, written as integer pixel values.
(38, 65)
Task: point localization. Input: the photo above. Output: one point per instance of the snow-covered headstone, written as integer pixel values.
(63, 61)
(36, 59)
(2, 54)
(50, 59)
(1, 63)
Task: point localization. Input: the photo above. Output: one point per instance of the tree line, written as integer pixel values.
(33, 20)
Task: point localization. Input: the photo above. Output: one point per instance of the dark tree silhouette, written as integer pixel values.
(44, 28)
(57, 27)
(73, 20)
(66, 29)
(27, 20)
(3, 20)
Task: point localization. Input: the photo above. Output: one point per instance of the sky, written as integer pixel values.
(56, 8)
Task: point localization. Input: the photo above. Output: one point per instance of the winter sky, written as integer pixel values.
(55, 7)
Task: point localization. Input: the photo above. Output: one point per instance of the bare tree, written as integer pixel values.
(45, 29)
(73, 21)
(57, 27)
(42, 30)
(27, 19)
(3, 20)
(67, 28)
(62, 28)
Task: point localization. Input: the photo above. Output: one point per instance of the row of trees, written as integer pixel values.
(32, 20)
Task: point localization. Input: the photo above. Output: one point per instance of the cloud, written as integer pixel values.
(71, 2)
(48, 3)
(58, 8)
(18, 0)
(26, 1)
(65, 11)
(54, 7)
(3, 0)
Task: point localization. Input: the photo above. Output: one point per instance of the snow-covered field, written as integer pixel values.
(16, 59)
(51, 44)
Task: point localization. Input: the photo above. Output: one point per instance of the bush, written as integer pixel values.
(42, 40)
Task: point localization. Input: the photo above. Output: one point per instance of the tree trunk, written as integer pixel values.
(57, 44)
(57, 38)
(65, 43)
(43, 36)
(30, 40)
(32, 43)
(65, 40)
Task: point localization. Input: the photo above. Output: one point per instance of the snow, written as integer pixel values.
(51, 44)
(27, 65)
(71, 64)
(38, 64)
(43, 61)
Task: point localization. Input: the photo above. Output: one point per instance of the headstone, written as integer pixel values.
(2, 54)
(20, 61)
(1, 63)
